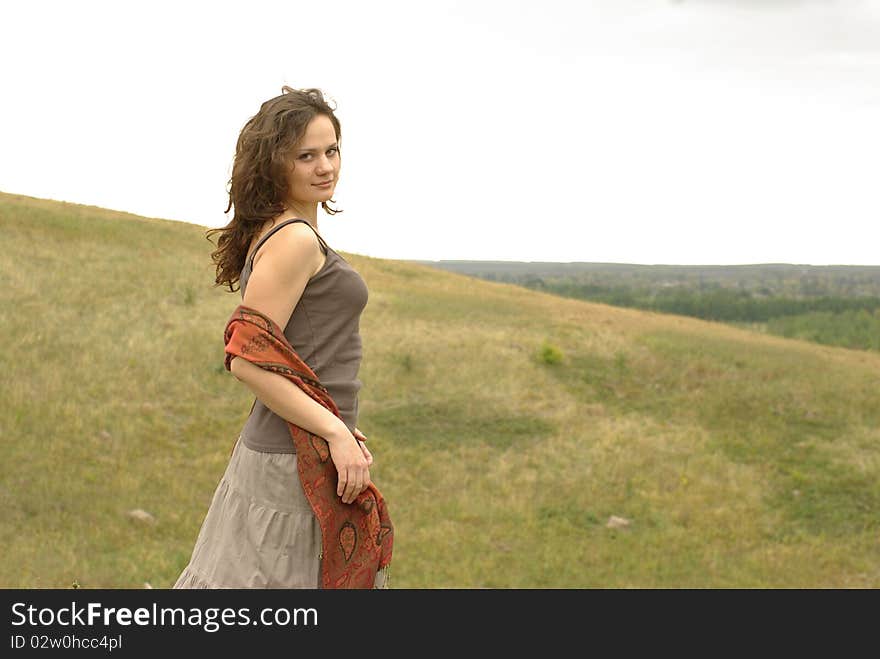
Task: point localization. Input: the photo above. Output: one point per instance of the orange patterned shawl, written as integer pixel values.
(357, 537)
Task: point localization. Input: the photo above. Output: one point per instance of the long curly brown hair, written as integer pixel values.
(259, 184)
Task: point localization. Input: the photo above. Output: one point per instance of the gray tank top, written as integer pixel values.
(324, 331)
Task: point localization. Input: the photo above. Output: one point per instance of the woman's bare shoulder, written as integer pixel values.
(282, 269)
(295, 241)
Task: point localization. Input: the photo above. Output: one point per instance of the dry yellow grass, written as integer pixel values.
(740, 459)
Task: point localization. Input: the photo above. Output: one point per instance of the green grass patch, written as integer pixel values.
(450, 423)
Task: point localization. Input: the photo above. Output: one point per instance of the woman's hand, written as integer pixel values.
(361, 437)
(351, 464)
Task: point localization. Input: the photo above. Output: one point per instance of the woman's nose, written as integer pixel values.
(324, 164)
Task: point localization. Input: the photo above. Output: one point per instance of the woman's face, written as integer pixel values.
(315, 161)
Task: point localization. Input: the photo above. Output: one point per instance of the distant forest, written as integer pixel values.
(835, 305)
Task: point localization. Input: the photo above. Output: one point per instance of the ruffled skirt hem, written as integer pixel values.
(259, 531)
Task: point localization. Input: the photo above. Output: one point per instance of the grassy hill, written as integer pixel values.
(508, 425)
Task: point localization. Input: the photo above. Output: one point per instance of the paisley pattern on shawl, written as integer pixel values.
(357, 538)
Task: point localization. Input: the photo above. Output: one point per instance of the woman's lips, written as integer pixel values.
(323, 185)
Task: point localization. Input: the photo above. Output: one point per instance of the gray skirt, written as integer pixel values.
(259, 531)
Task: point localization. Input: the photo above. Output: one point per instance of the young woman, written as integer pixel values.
(260, 530)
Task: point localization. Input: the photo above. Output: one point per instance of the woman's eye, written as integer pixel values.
(329, 151)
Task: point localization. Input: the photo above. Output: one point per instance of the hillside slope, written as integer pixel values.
(738, 459)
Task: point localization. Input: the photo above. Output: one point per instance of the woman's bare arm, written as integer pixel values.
(282, 268)
(290, 402)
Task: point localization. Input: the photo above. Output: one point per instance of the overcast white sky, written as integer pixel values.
(631, 131)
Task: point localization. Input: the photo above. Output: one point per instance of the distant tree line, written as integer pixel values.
(722, 304)
(849, 329)
(834, 305)
(850, 322)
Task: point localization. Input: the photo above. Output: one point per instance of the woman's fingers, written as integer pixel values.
(366, 452)
(359, 480)
(343, 481)
(356, 484)
(352, 468)
(350, 484)
(348, 494)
